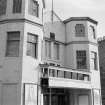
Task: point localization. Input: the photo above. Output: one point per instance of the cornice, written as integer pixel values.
(80, 19)
(82, 42)
(20, 20)
(72, 42)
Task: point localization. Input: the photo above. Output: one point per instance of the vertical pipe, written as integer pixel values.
(50, 96)
(52, 5)
(52, 11)
(92, 97)
(38, 94)
(48, 72)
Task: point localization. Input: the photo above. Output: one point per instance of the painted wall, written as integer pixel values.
(24, 12)
(87, 43)
(95, 73)
(25, 69)
(55, 26)
(70, 31)
(9, 11)
(10, 67)
(31, 65)
(71, 54)
(31, 17)
(90, 36)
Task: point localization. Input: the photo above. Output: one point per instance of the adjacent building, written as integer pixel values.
(44, 60)
(101, 49)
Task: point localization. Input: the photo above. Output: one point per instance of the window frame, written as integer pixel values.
(95, 60)
(32, 11)
(78, 28)
(48, 53)
(58, 51)
(83, 57)
(32, 43)
(93, 31)
(12, 40)
(17, 6)
(3, 12)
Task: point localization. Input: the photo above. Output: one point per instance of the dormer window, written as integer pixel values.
(34, 8)
(17, 6)
(3, 6)
(80, 30)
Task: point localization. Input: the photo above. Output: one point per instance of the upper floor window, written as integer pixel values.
(80, 30)
(81, 59)
(3, 6)
(13, 40)
(32, 46)
(93, 32)
(17, 6)
(48, 49)
(94, 60)
(34, 8)
(56, 51)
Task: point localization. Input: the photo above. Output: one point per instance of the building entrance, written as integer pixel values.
(56, 97)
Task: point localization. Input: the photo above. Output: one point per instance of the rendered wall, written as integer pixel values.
(31, 17)
(10, 67)
(55, 26)
(71, 55)
(31, 65)
(70, 31)
(9, 11)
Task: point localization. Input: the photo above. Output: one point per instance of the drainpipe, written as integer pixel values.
(50, 96)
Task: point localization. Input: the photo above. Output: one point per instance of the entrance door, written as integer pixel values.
(56, 100)
(83, 100)
(61, 100)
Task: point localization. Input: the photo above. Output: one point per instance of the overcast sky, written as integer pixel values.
(88, 8)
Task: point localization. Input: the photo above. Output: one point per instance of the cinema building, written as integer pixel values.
(45, 60)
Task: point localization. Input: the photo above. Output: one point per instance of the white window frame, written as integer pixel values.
(34, 8)
(17, 6)
(48, 53)
(94, 60)
(80, 30)
(33, 42)
(12, 40)
(82, 57)
(93, 31)
(3, 7)
(56, 51)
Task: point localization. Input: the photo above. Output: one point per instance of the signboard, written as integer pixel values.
(30, 94)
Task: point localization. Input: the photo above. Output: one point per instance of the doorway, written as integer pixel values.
(83, 100)
(59, 97)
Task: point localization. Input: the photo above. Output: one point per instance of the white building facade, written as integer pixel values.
(44, 60)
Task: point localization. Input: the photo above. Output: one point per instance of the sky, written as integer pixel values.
(94, 9)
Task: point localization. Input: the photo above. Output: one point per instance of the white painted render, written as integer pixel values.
(17, 71)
